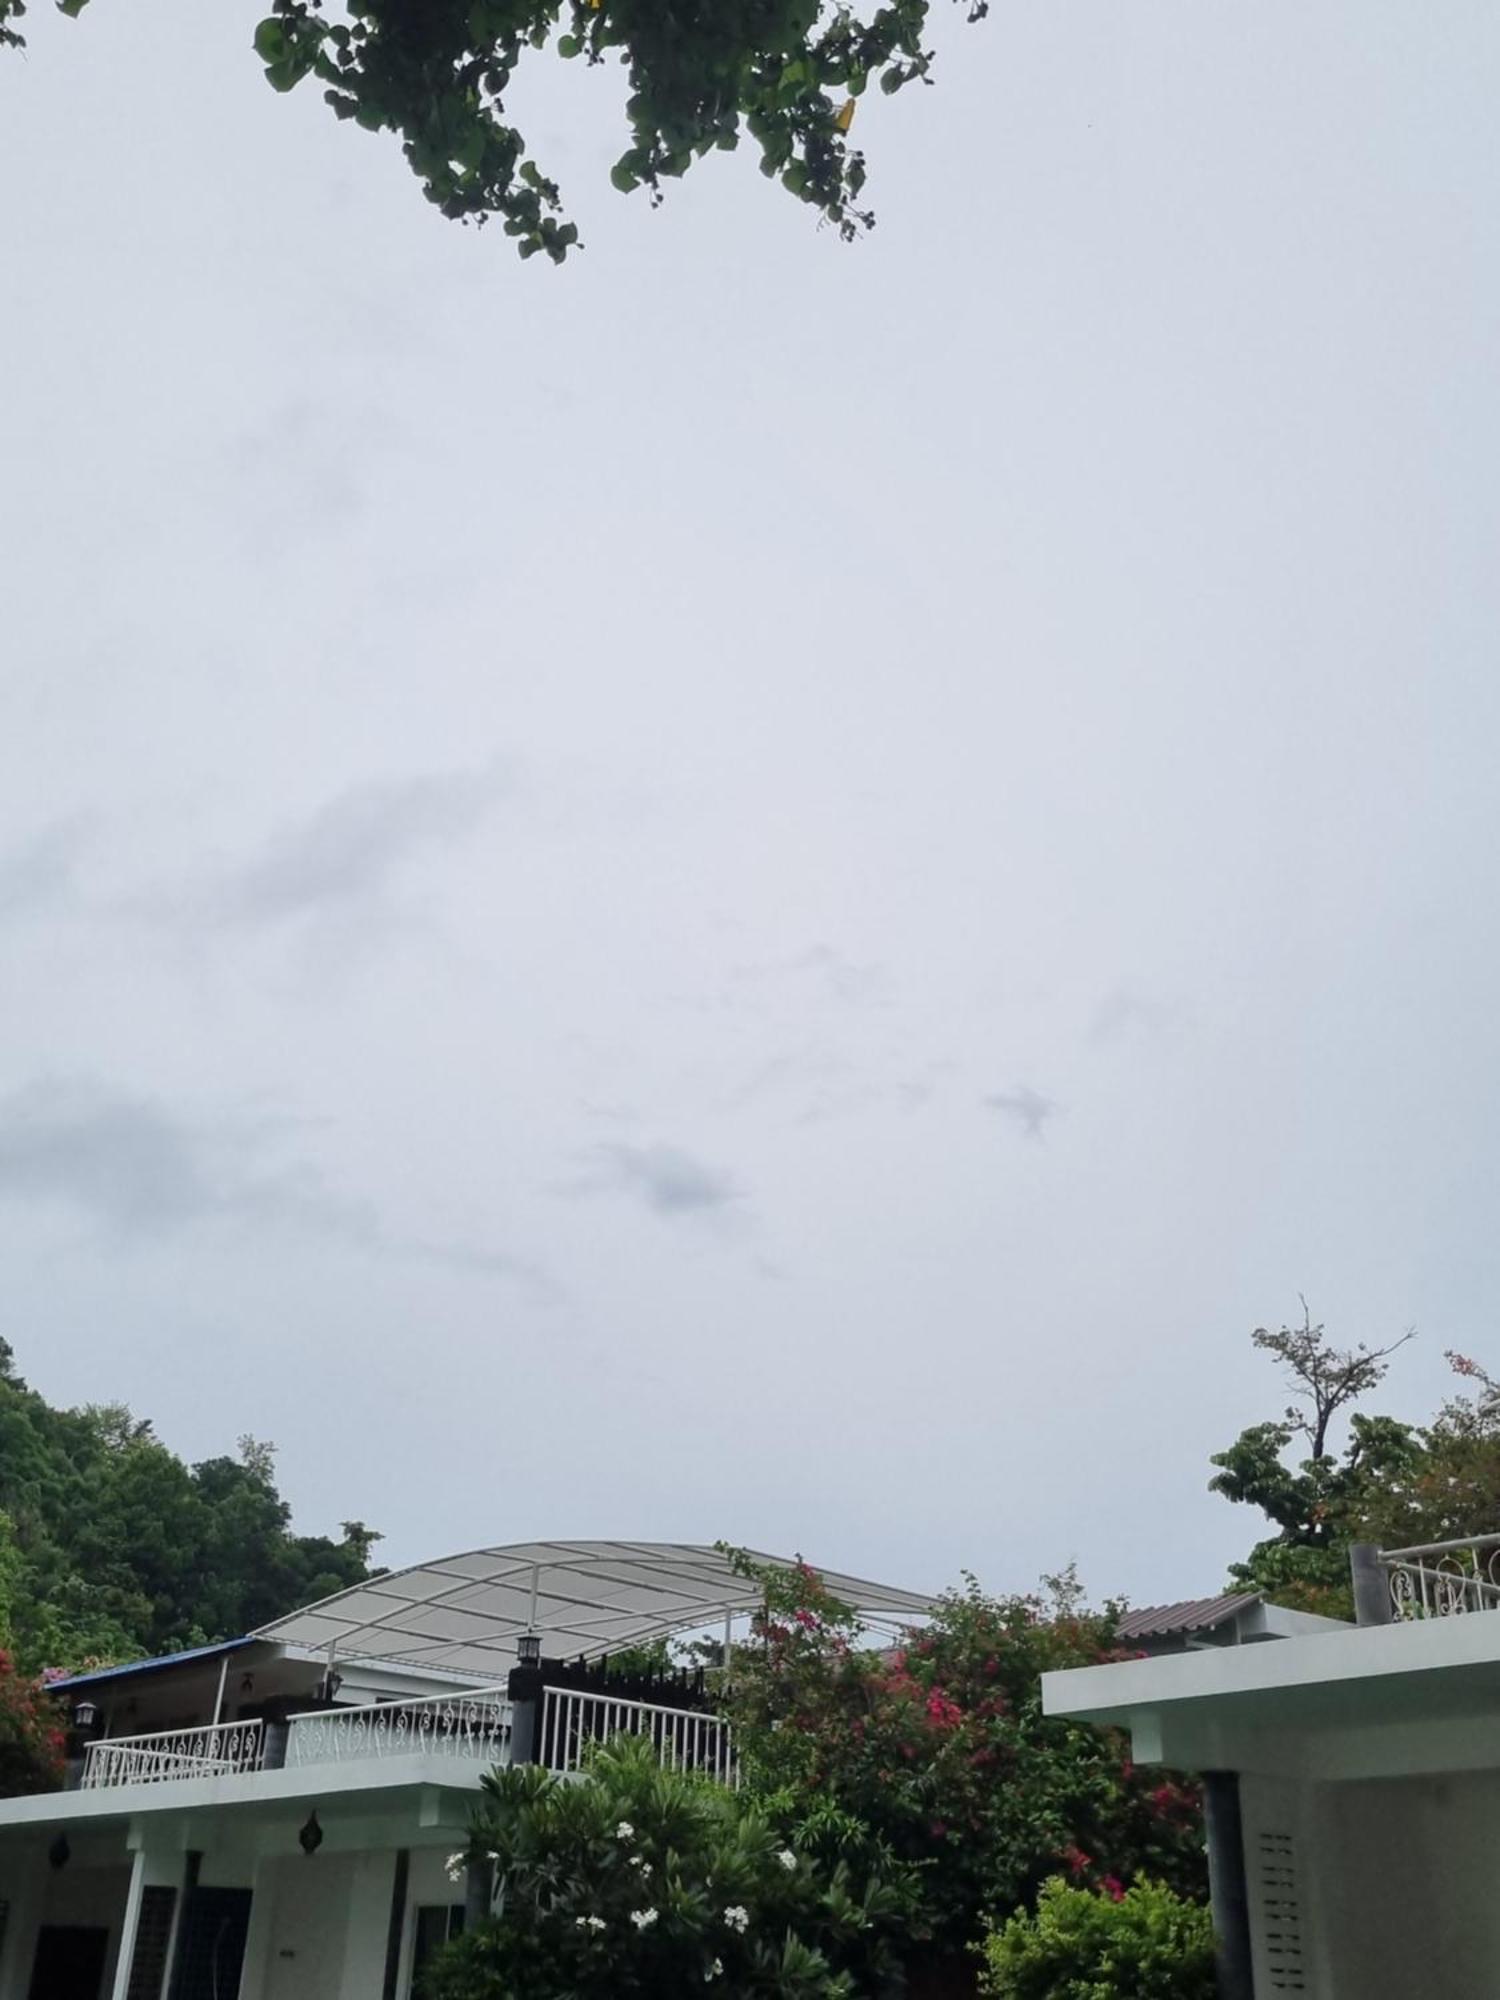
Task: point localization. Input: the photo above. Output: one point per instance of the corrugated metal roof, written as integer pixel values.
(1192, 1614)
(143, 1666)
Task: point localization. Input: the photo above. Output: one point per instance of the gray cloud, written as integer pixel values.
(142, 1172)
(1028, 1107)
(351, 852)
(668, 1180)
(41, 872)
(1123, 1014)
(823, 968)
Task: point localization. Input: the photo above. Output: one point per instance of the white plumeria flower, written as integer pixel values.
(787, 1859)
(590, 1923)
(737, 1917)
(624, 1831)
(644, 1919)
(640, 1861)
(715, 1971)
(454, 1866)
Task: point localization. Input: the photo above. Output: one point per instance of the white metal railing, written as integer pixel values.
(1444, 1579)
(684, 1739)
(219, 1749)
(474, 1727)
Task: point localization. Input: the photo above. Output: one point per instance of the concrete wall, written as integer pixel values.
(1387, 1885)
(1407, 1886)
(319, 1926)
(89, 1891)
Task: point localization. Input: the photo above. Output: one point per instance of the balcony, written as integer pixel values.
(473, 1732)
(218, 1751)
(574, 1720)
(472, 1728)
(1443, 1579)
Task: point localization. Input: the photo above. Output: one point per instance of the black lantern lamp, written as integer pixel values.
(310, 1839)
(85, 1716)
(529, 1649)
(59, 1854)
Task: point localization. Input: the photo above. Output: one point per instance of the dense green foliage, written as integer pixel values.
(1144, 1943)
(643, 1881)
(111, 1547)
(1389, 1481)
(940, 1748)
(439, 72)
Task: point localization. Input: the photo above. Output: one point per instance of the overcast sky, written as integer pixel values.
(751, 888)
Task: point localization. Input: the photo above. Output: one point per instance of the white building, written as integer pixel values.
(271, 1818)
(1353, 1783)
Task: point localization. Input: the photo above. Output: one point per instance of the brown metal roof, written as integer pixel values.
(1193, 1614)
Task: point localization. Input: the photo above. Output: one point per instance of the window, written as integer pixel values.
(436, 1924)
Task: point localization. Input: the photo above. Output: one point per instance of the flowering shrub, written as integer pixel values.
(640, 1881)
(941, 1749)
(1143, 1943)
(31, 1736)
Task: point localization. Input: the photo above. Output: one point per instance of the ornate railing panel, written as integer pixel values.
(1444, 1579)
(475, 1727)
(684, 1739)
(215, 1751)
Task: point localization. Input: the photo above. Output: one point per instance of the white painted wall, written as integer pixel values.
(319, 1927)
(1408, 1884)
(305, 1909)
(370, 1889)
(1396, 1881)
(81, 1893)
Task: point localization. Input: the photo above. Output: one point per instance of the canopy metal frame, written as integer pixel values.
(467, 1612)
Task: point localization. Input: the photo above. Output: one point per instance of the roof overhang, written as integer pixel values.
(1359, 1702)
(466, 1613)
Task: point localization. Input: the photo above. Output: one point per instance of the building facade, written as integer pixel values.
(277, 1817)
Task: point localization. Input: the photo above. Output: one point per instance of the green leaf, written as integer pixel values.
(624, 176)
(569, 46)
(271, 40)
(72, 8)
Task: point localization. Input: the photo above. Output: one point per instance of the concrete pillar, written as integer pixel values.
(370, 1884)
(1372, 1585)
(1228, 1891)
(260, 1938)
(192, 1864)
(395, 1930)
(23, 1882)
(130, 1925)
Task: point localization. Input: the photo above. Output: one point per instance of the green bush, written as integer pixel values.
(1142, 1943)
(639, 1881)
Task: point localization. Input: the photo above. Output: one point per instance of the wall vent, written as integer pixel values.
(1281, 1913)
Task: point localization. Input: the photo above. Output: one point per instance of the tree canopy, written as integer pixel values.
(111, 1547)
(940, 1748)
(439, 73)
(1384, 1480)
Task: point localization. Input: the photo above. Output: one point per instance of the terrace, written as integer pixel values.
(468, 1733)
(497, 1656)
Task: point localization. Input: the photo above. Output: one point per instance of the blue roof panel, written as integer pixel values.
(145, 1666)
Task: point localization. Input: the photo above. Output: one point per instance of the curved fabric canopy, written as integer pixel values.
(465, 1613)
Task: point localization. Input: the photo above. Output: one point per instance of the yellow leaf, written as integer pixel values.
(845, 115)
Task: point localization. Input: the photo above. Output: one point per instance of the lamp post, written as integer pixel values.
(525, 1690)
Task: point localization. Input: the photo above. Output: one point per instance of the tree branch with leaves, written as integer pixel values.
(438, 73)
